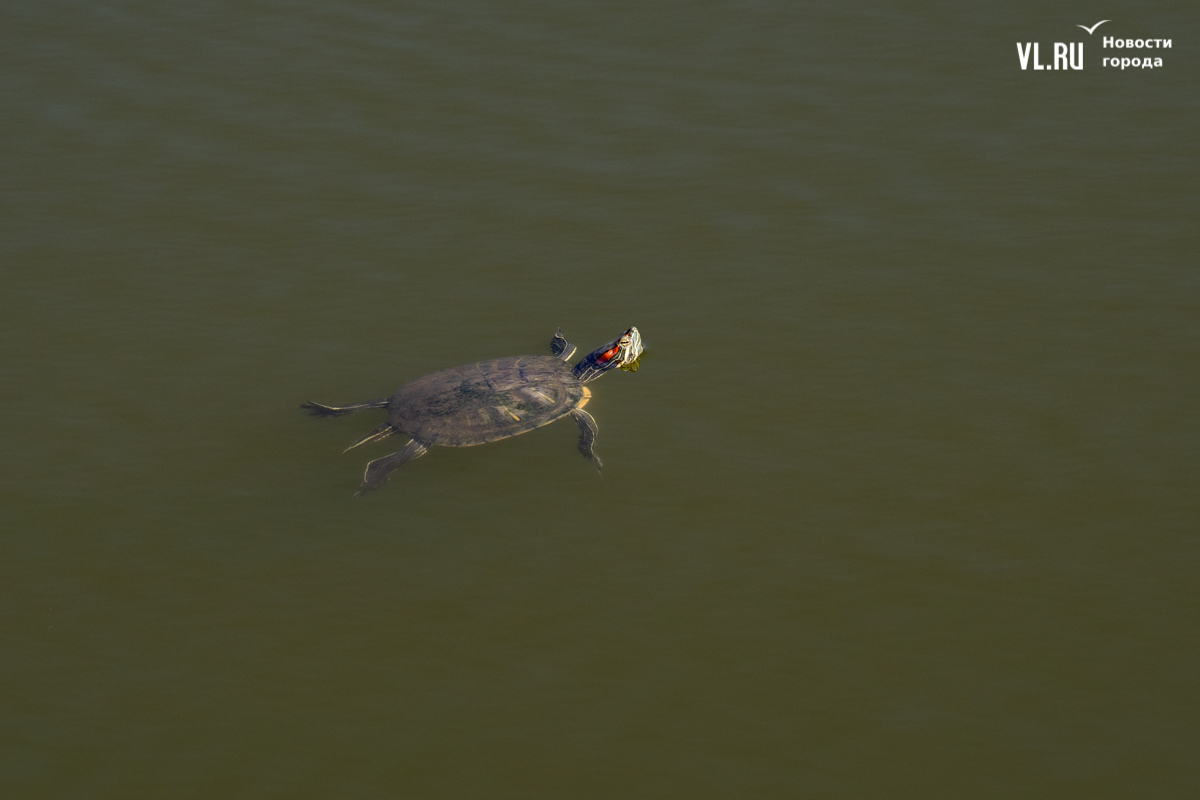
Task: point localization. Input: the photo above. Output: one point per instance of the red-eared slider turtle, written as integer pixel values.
(490, 400)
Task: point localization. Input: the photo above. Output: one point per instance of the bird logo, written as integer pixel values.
(1092, 29)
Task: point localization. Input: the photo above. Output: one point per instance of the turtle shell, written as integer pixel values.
(483, 402)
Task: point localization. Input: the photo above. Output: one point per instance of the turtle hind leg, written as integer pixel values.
(378, 470)
(319, 410)
(587, 436)
(382, 432)
(561, 347)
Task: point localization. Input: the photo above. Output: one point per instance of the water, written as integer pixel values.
(900, 504)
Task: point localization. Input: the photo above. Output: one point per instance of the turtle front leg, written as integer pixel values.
(378, 470)
(561, 347)
(587, 436)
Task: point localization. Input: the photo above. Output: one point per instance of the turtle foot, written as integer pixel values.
(379, 470)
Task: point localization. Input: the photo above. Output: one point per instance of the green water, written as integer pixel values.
(901, 502)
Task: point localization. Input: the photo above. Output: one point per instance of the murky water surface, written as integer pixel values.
(901, 503)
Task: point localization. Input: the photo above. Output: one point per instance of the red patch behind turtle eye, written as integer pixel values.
(609, 355)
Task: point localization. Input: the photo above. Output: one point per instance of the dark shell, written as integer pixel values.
(483, 402)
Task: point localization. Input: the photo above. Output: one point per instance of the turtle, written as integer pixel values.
(490, 400)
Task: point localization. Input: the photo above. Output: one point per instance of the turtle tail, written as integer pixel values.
(319, 410)
(382, 432)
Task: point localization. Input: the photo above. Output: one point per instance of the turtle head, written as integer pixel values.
(625, 349)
